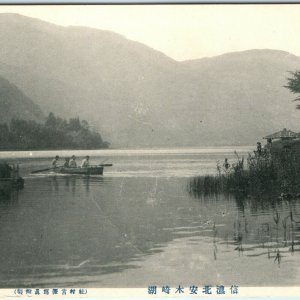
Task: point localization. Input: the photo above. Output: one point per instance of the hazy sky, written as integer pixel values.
(185, 31)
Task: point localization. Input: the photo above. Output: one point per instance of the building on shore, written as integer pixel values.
(284, 140)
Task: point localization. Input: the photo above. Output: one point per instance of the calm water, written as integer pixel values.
(139, 225)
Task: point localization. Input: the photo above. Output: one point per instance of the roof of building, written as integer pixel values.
(283, 134)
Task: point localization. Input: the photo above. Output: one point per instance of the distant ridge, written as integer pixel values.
(138, 97)
(14, 104)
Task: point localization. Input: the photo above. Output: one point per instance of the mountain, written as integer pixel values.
(246, 93)
(14, 104)
(138, 97)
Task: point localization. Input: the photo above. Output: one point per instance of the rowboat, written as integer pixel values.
(92, 170)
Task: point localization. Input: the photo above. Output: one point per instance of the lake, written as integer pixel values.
(139, 225)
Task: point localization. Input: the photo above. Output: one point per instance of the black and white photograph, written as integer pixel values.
(149, 146)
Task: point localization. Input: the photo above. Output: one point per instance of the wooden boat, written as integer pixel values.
(91, 170)
(11, 183)
(9, 177)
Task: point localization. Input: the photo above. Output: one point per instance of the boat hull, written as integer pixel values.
(81, 171)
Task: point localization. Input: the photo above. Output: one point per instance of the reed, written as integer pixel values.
(284, 225)
(259, 174)
(278, 257)
(215, 232)
(293, 238)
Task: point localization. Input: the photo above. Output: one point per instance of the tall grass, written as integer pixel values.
(261, 173)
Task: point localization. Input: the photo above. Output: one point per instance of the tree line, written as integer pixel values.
(54, 133)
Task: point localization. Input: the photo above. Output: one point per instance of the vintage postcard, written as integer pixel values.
(149, 151)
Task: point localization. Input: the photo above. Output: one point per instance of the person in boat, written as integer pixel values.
(72, 162)
(66, 164)
(85, 162)
(55, 161)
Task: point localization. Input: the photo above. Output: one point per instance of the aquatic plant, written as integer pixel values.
(284, 225)
(293, 238)
(215, 232)
(265, 173)
(278, 257)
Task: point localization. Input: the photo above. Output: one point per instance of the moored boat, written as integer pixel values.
(9, 177)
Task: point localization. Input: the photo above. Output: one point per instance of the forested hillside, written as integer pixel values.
(138, 97)
(54, 133)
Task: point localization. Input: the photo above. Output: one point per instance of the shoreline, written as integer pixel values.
(128, 152)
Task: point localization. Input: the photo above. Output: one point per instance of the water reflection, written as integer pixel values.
(8, 197)
(259, 202)
(265, 225)
(61, 229)
(73, 229)
(69, 183)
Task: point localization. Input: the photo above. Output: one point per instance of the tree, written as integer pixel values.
(74, 124)
(50, 121)
(85, 125)
(294, 85)
(4, 136)
(55, 133)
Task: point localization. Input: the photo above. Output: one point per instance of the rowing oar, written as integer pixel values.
(103, 161)
(43, 170)
(104, 165)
